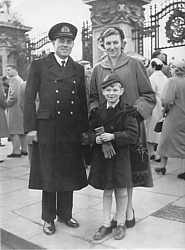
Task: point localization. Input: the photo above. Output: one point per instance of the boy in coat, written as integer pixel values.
(112, 130)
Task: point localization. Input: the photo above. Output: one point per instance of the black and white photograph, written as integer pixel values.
(92, 114)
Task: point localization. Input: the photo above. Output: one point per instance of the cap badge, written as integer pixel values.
(106, 78)
(65, 29)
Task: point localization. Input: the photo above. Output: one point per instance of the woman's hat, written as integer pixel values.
(157, 61)
(179, 63)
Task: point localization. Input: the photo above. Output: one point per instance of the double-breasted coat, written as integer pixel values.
(56, 162)
(14, 111)
(114, 172)
(138, 90)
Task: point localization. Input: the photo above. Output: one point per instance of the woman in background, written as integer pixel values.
(172, 140)
(158, 81)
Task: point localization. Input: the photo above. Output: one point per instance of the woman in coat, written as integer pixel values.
(138, 95)
(158, 81)
(4, 132)
(172, 140)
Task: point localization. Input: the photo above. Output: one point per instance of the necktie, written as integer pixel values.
(109, 110)
(63, 64)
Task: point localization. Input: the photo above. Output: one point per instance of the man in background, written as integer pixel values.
(163, 57)
(15, 114)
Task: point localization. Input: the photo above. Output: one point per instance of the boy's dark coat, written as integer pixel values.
(114, 172)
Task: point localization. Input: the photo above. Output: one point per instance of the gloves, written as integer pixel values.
(132, 110)
(108, 150)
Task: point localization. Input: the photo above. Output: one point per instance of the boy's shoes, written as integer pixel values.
(13, 155)
(49, 228)
(181, 176)
(131, 223)
(2, 145)
(102, 232)
(24, 153)
(120, 232)
(1, 161)
(113, 223)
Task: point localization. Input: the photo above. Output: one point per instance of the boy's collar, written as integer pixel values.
(113, 105)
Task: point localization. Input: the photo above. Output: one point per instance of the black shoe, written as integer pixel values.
(113, 223)
(162, 170)
(181, 176)
(49, 228)
(102, 232)
(69, 222)
(152, 157)
(1, 161)
(131, 223)
(158, 160)
(24, 153)
(13, 155)
(120, 232)
(2, 145)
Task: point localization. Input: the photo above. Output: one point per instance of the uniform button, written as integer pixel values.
(58, 101)
(56, 91)
(56, 81)
(73, 92)
(71, 113)
(72, 102)
(74, 82)
(59, 112)
(111, 127)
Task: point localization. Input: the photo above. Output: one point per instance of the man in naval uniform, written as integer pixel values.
(56, 129)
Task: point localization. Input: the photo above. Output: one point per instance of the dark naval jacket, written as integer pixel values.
(56, 162)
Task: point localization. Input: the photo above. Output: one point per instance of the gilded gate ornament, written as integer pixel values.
(175, 27)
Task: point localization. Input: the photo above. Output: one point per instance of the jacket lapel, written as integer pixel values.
(56, 69)
(68, 71)
(104, 118)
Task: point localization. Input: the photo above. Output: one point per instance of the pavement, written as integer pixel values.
(159, 211)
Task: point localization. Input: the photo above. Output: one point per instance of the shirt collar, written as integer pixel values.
(114, 105)
(59, 60)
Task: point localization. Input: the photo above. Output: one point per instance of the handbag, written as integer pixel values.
(139, 158)
(159, 125)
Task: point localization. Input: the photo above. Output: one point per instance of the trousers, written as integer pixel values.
(57, 204)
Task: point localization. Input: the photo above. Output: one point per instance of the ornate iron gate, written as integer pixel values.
(165, 29)
(36, 47)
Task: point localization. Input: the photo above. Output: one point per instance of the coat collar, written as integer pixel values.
(122, 60)
(55, 68)
(102, 112)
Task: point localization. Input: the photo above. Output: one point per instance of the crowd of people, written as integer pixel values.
(75, 116)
